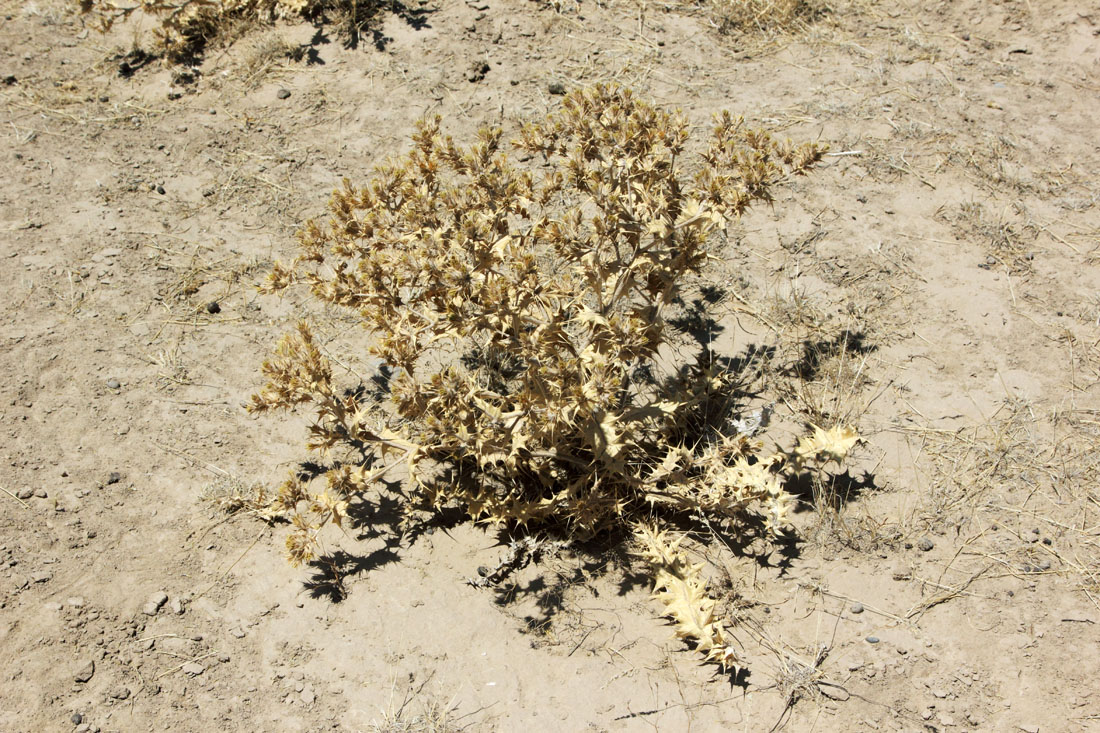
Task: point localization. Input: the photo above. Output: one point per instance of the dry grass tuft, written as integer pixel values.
(767, 17)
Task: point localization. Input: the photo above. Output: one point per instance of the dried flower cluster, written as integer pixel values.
(517, 311)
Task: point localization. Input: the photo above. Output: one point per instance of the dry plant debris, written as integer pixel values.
(513, 312)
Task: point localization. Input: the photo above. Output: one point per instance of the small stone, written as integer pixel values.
(213, 307)
(307, 696)
(193, 669)
(925, 544)
(160, 190)
(902, 573)
(872, 640)
(236, 633)
(113, 477)
(223, 657)
(85, 672)
(177, 606)
(928, 713)
(75, 602)
(857, 608)
(120, 693)
(283, 94)
(25, 493)
(83, 728)
(940, 693)
(77, 718)
(10, 79)
(40, 493)
(113, 383)
(946, 719)
(41, 577)
(155, 602)
(556, 87)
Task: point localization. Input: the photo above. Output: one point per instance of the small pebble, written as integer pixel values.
(857, 608)
(925, 544)
(40, 493)
(113, 383)
(283, 94)
(556, 87)
(193, 669)
(77, 718)
(114, 477)
(160, 190)
(85, 672)
(872, 640)
(120, 693)
(213, 307)
(25, 493)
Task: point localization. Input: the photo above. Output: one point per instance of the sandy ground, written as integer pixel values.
(954, 229)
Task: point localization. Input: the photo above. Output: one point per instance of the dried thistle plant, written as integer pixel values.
(514, 310)
(186, 27)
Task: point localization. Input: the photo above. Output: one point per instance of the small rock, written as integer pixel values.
(83, 728)
(902, 573)
(120, 693)
(1044, 565)
(925, 544)
(25, 493)
(9, 80)
(193, 669)
(113, 383)
(946, 719)
(41, 577)
(160, 190)
(857, 608)
(76, 602)
(85, 672)
(556, 87)
(213, 307)
(283, 94)
(77, 718)
(236, 633)
(40, 493)
(940, 693)
(155, 602)
(177, 606)
(223, 657)
(113, 477)
(307, 696)
(872, 640)
(104, 98)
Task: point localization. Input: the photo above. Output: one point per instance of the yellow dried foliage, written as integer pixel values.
(680, 587)
(187, 25)
(513, 308)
